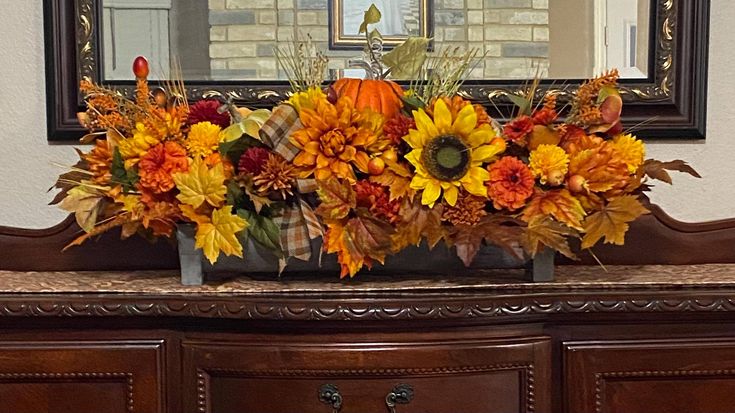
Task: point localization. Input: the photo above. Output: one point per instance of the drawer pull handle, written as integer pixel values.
(401, 394)
(329, 394)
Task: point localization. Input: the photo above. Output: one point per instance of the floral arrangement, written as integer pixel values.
(363, 164)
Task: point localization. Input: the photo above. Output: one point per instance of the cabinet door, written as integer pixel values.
(693, 376)
(458, 377)
(81, 377)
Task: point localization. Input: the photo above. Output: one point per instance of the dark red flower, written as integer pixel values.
(397, 127)
(252, 161)
(518, 129)
(208, 111)
(375, 197)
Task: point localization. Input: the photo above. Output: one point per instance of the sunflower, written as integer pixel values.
(333, 139)
(448, 153)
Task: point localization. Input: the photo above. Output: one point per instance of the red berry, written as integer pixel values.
(140, 67)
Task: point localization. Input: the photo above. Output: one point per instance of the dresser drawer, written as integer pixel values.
(458, 377)
(640, 376)
(81, 377)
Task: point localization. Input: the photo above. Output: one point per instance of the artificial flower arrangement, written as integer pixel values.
(363, 164)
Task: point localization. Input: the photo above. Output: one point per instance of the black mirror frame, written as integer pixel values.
(671, 103)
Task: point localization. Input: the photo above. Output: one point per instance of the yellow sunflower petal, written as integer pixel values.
(474, 181)
(431, 193)
(415, 139)
(419, 182)
(450, 194)
(425, 125)
(414, 157)
(442, 117)
(466, 121)
(485, 152)
(480, 136)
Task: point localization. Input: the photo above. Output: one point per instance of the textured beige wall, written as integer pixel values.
(25, 156)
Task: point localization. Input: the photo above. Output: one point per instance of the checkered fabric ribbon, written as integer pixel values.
(276, 131)
(299, 224)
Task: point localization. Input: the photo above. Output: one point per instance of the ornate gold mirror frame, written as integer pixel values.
(670, 103)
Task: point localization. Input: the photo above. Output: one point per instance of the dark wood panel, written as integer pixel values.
(639, 376)
(81, 377)
(473, 376)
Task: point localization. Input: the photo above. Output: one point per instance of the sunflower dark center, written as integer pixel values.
(446, 158)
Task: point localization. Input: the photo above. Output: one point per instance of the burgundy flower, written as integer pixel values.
(397, 127)
(252, 161)
(208, 111)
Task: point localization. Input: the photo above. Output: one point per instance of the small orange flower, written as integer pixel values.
(159, 164)
(511, 183)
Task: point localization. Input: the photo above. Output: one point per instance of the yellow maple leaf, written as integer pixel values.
(559, 204)
(201, 184)
(612, 221)
(545, 232)
(219, 235)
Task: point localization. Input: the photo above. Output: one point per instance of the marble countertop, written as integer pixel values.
(569, 278)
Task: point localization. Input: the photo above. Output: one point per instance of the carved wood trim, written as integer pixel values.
(526, 369)
(440, 308)
(127, 378)
(601, 378)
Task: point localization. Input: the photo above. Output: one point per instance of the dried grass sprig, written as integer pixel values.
(446, 72)
(304, 64)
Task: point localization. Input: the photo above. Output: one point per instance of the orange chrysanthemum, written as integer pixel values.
(158, 165)
(99, 160)
(333, 139)
(511, 183)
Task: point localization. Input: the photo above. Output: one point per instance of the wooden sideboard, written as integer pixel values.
(634, 339)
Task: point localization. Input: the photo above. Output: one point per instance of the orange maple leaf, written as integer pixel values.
(559, 204)
(418, 221)
(545, 232)
(612, 221)
(601, 169)
(337, 199)
(397, 177)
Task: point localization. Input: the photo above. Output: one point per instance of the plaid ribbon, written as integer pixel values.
(299, 225)
(277, 130)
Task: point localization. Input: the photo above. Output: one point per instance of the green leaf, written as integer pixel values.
(407, 59)
(372, 16)
(263, 230)
(235, 194)
(125, 177)
(234, 149)
(524, 105)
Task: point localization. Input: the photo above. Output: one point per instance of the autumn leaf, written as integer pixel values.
(219, 235)
(116, 221)
(545, 232)
(407, 59)
(418, 221)
(497, 230)
(371, 235)
(337, 199)
(201, 184)
(612, 221)
(560, 204)
(659, 170)
(397, 177)
(66, 181)
(337, 241)
(85, 203)
(600, 168)
(372, 16)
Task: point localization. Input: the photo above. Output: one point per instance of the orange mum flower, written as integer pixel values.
(511, 183)
(334, 138)
(159, 164)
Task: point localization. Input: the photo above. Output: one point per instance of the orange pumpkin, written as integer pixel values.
(382, 96)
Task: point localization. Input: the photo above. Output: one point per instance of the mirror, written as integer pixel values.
(661, 46)
(233, 40)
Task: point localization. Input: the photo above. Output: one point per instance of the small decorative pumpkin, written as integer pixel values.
(382, 96)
